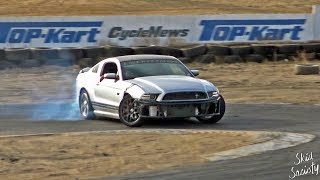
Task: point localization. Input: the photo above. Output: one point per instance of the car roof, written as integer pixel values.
(144, 57)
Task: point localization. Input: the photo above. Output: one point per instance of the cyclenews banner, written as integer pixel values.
(155, 30)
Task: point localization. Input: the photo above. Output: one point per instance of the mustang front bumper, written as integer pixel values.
(174, 109)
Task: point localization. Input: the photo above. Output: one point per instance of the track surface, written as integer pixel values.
(15, 119)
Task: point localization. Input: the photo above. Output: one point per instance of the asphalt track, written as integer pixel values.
(17, 119)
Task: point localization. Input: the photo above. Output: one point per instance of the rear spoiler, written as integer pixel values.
(84, 70)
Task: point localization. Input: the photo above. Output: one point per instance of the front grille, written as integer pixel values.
(185, 96)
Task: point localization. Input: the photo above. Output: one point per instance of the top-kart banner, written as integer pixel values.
(18, 32)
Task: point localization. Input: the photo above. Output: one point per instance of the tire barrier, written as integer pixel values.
(86, 62)
(228, 59)
(257, 58)
(70, 53)
(113, 51)
(2, 55)
(17, 55)
(194, 51)
(186, 60)
(6, 65)
(30, 63)
(311, 47)
(306, 69)
(44, 55)
(241, 50)
(170, 51)
(146, 50)
(218, 50)
(280, 57)
(67, 55)
(232, 59)
(209, 53)
(206, 59)
(263, 49)
(93, 51)
(289, 49)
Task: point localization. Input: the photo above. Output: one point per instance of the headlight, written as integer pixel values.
(212, 94)
(149, 97)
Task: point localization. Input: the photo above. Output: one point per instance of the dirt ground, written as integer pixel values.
(81, 156)
(270, 82)
(152, 7)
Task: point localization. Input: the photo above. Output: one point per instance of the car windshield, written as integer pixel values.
(142, 68)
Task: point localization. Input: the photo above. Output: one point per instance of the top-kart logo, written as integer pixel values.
(251, 30)
(49, 32)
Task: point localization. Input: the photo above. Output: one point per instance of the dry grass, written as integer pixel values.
(270, 82)
(150, 7)
(93, 155)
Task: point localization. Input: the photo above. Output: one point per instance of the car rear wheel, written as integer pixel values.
(85, 106)
(216, 118)
(129, 112)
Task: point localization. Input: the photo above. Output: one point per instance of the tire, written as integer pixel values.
(311, 47)
(263, 49)
(58, 62)
(85, 106)
(147, 50)
(93, 51)
(129, 113)
(257, 58)
(216, 118)
(289, 49)
(170, 51)
(186, 60)
(241, 50)
(232, 59)
(207, 59)
(6, 65)
(67, 55)
(113, 51)
(218, 50)
(306, 69)
(2, 55)
(17, 55)
(86, 62)
(194, 51)
(44, 55)
(30, 63)
(280, 57)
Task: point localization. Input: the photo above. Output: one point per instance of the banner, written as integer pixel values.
(80, 31)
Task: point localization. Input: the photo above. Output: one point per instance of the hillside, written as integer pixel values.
(151, 7)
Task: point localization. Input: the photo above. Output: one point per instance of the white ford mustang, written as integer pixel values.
(137, 87)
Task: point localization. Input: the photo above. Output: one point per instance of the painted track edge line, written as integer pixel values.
(284, 140)
(171, 131)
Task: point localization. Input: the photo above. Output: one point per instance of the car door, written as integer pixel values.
(108, 91)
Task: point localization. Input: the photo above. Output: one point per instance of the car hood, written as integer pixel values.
(161, 84)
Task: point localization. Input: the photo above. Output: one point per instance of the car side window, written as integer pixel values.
(95, 69)
(109, 68)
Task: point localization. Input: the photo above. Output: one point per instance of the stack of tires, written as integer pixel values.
(209, 53)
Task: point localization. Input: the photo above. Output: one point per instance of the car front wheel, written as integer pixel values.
(215, 118)
(129, 112)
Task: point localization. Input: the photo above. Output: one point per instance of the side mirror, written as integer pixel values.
(110, 76)
(195, 72)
